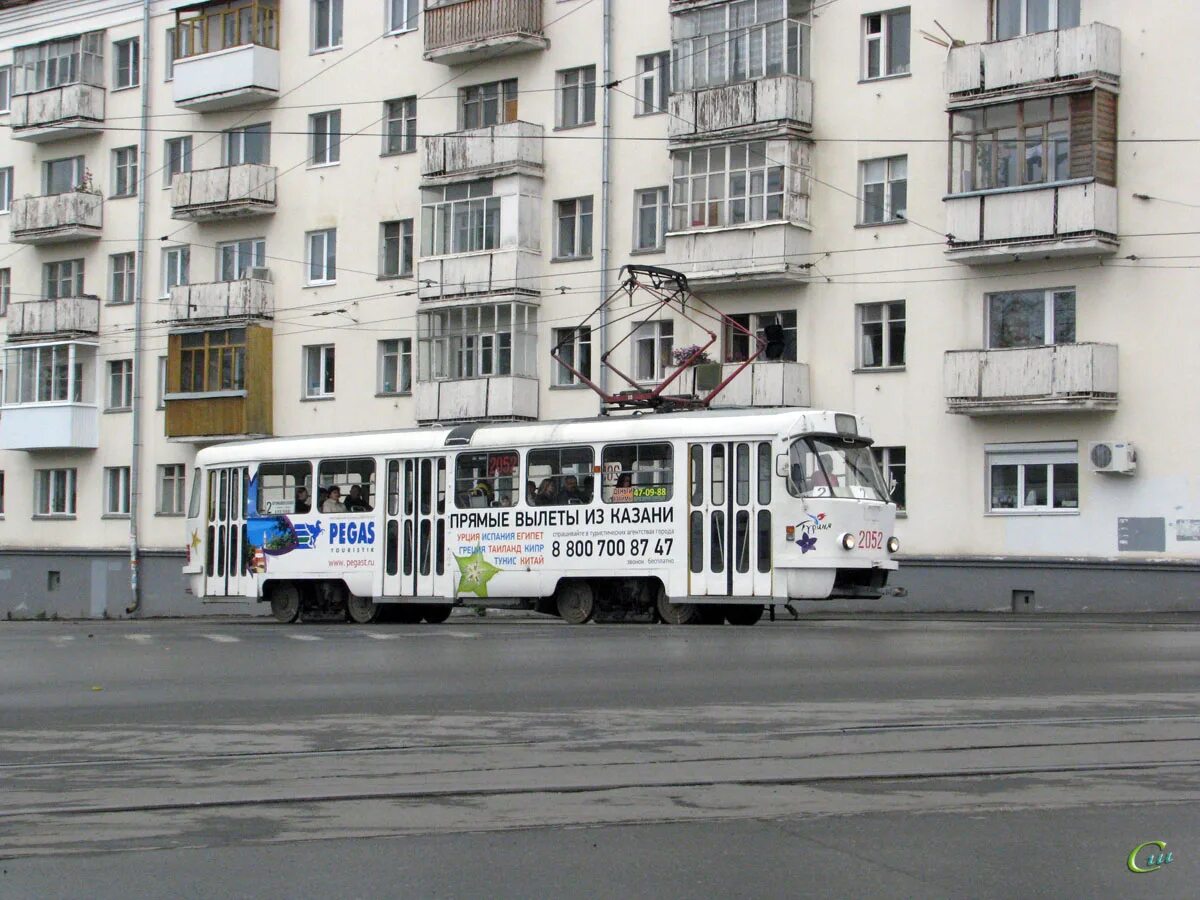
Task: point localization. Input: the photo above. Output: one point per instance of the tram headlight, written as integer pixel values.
(848, 542)
(893, 544)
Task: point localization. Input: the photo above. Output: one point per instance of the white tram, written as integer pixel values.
(688, 516)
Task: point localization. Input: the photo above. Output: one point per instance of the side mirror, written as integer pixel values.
(781, 465)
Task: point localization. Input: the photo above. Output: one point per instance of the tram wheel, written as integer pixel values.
(436, 613)
(285, 602)
(747, 614)
(361, 610)
(677, 613)
(576, 603)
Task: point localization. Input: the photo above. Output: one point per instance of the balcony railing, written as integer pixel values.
(226, 192)
(764, 254)
(764, 384)
(1060, 220)
(51, 426)
(53, 219)
(248, 298)
(1089, 51)
(463, 31)
(57, 113)
(487, 272)
(1056, 378)
(52, 318)
(750, 106)
(483, 151)
(473, 399)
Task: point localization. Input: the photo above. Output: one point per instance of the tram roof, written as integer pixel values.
(715, 423)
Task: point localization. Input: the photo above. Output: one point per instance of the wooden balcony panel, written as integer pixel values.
(473, 30)
(58, 113)
(1054, 378)
(224, 192)
(51, 318)
(57, 218)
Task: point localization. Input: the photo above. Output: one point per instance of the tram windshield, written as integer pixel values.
(834, 467)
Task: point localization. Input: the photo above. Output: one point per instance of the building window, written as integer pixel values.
(881, 335)
(5, 89)
(176, 262)
(476, 341)
(127, 61)
(396, 248)
(1030, 318)
(494, 103)
(50, 373)
(1012, 144)
(169, 55)
(63, 278)
(326, 25)
(5, 290)
(121, 278)
(120, 384)
(886, 38)
(318, 371)
(1033, 477)
(75, 60)
(125, 172)
(891, 462)
(235, 259)
(61, 176)
(653, 83)
(574, 236)
(400, 117)
(652, 346)
(54, 492)
(326, 139)
(6, 189)
(732, 42)
(177, 153)
(738, 345)
(574, 345)
(322, 256)
(250, 144)
(402, 15)
(727, 185)
(883, 187)
(577, 97)
(650, 227)
(459, 218)
(171, 481)
(160, 397)
(1016, 17)
(395, 366)
(116, 491)
(212, 361)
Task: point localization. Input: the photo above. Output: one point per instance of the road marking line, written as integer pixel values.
(62, 638)
(382, 637)
(458, 634)
(222, 638)
(140, 638)
(304, 637)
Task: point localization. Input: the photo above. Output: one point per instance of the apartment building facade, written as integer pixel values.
(281, 217)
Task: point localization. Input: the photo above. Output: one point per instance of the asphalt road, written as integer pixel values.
(830, 757)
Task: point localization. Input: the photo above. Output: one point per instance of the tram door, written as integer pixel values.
(415, 530)
(226, 563)
(729, 519)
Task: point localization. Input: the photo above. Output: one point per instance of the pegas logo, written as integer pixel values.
(351, 533)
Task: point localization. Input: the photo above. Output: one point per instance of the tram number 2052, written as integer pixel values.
(586, 548)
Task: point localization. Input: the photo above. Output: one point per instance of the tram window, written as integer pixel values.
(696, 474)
(716, 560)
(764, 474)
(742, 459)
(741, 537)
(409, 489)
(487, 479)
(277, 485)
(764, 540)
(696, 540)
(355, 483)
(638, 473)
(560, 477)
(441, 489)
(718, 475)
(393, 489)
(194, 504)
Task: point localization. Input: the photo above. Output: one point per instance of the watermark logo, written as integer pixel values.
(1148, 857)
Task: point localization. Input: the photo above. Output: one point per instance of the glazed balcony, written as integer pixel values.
(234, 301)
(1054, 378)
(63, 317)
(764, 105)
(226, 192)
(1050, 61)
(483, 152)
(226, 55)
(763, 384)
(497, 397)
(58, 113)
(50, 398)
(241, 406)
(57, 218)
(466, 31)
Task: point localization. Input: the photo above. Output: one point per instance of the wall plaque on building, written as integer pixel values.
(1141, 534)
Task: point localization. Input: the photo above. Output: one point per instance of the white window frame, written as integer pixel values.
(5, 290)
(887, 310)
(579, 212)
(400, 126)
(660, 336)
(53, 488)
(116, 492)
(1049, 299)
(659, 206)
(892, 176)
(577, 350)
(577, 97)
(403, 240)
(233, 144)
(725, 47)
(254, 248)
(125, 169)
(395, 358)
(176, 268)
(5, 90)
(62, 273)
(728, 186)
(325, 146)
(78, 170)
(488, 103)
(653, 84)
(320, 360)
(892, 460)
(171, 494)
(1050, 454)
(479, 204)
(477, 341)
(320, 257)
(122, 277)
(408, 18)
(160, 397)
(1053, 17)
(756, 323)
(334, 22)
(881, 41)
(6, 189)
(119, 394)
(177, 158)
(127, 63)
(169, 55)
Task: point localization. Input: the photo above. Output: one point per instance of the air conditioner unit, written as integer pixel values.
(258, 273)
(1114, 457)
